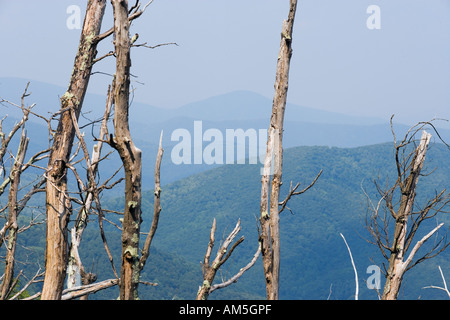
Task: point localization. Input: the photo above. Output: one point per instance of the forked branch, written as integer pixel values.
(209, 271)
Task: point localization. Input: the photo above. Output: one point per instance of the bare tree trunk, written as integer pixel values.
(270, 234)
(397, 265)
(130, 155)
(13, 207)
(58, 205)
(399, 205)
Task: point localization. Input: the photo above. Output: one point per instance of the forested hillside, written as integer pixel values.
(314, 260)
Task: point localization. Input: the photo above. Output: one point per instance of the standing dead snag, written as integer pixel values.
(129, 153)
(131, 158)
(57, 202)
(12, 217)
(269, 236)
(10, 230)
(406, 219)
(210, 270)
(269, 220)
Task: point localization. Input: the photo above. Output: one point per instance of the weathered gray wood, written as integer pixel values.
(130, 155)
(57, 203)
(397, 266)
(12, 217)
(269, 220)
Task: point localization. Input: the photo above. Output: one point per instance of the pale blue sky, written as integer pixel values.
(338, 63)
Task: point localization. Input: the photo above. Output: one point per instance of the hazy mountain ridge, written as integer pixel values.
(239, 109)
(314, 257)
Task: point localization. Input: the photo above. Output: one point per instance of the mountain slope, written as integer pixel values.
(314, 256)
(314, 262)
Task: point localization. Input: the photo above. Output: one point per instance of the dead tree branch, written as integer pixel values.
(269, 236)
(440, 288)
(81, 291)
(236, 277)
(210, 270)
(294, 192)
(75, 267)
(156, 205)
(398, 203)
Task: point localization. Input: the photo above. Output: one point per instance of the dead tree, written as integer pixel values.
(210, 269)
(10, 230)
(269, 236)
(398, 202)
(57, 200)
(131, 156)
(12, 219)
(75, 267)
(269, 220)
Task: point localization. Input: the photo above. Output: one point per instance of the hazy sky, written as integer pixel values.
(339, 64)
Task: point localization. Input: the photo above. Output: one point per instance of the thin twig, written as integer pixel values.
(440, 288)
(293, 192)
(354, 268)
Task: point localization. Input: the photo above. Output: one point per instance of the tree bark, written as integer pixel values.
(57, 204)
(13, 208)
(270, 234)
(82, 291)
(397, 266)
(129, 154)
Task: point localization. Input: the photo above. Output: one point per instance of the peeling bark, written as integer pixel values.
(57, 203)
(129, 154)
(397, 265)
(269, 220)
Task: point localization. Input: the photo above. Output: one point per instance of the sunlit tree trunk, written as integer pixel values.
(57, 202)
(130, 155)
(270, 234)
(397, 265)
